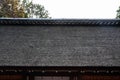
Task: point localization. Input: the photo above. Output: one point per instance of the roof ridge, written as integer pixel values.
(61, 22)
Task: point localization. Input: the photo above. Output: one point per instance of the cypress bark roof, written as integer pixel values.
(66, 45)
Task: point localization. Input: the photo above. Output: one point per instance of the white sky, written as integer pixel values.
(80, 8)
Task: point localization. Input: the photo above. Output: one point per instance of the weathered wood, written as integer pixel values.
(99, 77)
(11, 77)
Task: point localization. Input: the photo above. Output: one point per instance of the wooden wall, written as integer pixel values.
(11, 77)
(81, 77)
(59, 73)
(99, 77)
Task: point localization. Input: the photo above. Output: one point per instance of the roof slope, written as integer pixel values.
(44, 42)
(59, 46)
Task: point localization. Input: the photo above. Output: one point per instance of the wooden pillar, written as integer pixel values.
(30, 78)
(73, 77)
(79, 77)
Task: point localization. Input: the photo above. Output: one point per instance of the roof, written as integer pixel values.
(59, 45)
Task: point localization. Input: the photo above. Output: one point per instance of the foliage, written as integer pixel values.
(11, 8)
(34, 10)
(40, 11)
(22, 9)
(118, 14)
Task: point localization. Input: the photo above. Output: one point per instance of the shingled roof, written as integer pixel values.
(59, 42)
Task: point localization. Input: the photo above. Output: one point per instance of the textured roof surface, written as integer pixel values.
(59, 46)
